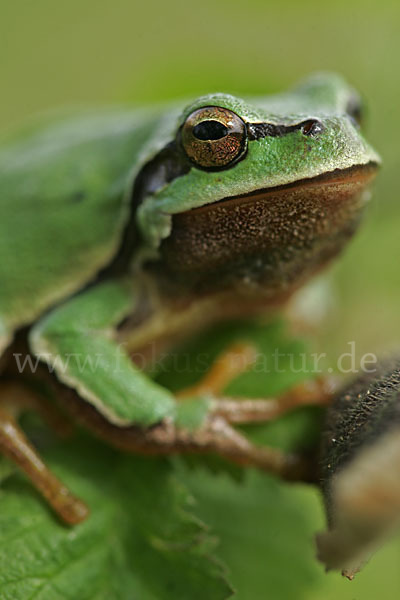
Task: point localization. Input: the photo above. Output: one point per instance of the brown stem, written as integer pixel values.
(15, 446)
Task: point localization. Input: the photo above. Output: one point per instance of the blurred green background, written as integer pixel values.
(93, 52)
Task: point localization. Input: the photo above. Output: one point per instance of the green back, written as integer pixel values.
(63, 207)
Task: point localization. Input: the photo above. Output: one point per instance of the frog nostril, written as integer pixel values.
(311, 127)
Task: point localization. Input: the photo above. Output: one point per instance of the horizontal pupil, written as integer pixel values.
(210, 130)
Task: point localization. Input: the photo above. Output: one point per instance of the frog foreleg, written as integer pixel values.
(78, 342)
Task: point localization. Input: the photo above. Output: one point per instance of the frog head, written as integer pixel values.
(257, 195)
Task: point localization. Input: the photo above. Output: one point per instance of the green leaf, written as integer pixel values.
(141, 541)
(266, 528)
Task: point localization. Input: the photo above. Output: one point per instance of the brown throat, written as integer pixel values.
(265, 240)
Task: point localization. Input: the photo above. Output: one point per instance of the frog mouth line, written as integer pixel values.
(358, 176)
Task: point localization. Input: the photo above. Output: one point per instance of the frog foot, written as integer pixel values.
(237, 359)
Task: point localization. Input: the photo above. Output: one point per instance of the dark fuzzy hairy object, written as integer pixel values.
(360, 469)
(366, 410)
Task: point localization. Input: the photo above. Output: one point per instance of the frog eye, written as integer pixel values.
(214, 137)
(354, 109)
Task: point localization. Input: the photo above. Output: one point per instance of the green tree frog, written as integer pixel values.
(123, 230)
